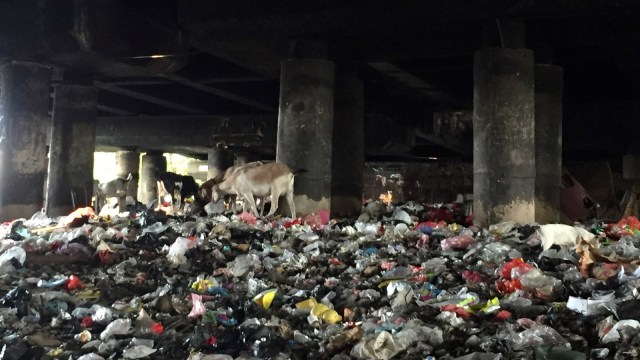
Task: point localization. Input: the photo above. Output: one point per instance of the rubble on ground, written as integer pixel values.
(398, 282)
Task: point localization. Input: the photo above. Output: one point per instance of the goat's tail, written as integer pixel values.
(299, 171)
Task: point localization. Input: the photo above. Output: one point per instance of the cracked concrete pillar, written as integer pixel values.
(548, 138)
(348, 144)
(152, 164)
(503, 136)
(305, 128)
(219, 159)
(73, 142)
(128, 162)
(24, 124)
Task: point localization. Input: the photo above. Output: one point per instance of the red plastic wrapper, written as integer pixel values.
(441, 214)
(461, 312)
(86, 322)
(388, 265)
(631, 222)
(319, 220)
(248, 218)
(503, 315)
(212, 341)
(508, 286)
(73, 282)
(518, 264)
(473, 277)
(157, 328)
(289, 224)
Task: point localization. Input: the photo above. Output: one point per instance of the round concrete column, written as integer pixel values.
(152, 164)
(24, 126)
(631, 167)
(348, 145)
(73, 142)
(305, 126)
(128, 162)
(503, 136)
(219, 159)
(548, 131)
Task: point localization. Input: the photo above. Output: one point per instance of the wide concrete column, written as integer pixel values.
(24, 125)
(73, 142)
(348, 144)
(305, 128)
(128, 162)
(548, 140)
(631, 167)
(219, 159)
(152, 164)
(503, 136)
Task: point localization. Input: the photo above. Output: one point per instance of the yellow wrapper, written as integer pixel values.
(318, 309)
(265, 298)
(331, 317)
(307, 304)
(55, 352)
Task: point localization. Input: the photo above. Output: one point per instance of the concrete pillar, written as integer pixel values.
(548, 140)
(219, 159)
(73, 142)
(348, 145)
(24, 102)
(631, 167)
(152, 163)
(503, 136)
(128, 162)
(305, 127)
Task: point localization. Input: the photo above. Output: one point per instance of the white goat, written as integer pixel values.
(248, 182)
(114, 188)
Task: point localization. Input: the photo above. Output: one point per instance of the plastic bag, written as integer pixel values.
(514, 268)
(243, 264)
(137, 352)
(198, 307)
(537, 335)
(144, 324)
(538, 283)
(15, 252)
(117, 327)
(178, 249)
(38, 220)
(91, 356)
(457, 242)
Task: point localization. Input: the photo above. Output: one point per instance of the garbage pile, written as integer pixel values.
(390, 284)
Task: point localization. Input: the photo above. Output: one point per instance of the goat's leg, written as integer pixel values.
(292, 205)
(274, 203)
(262, 200)
(122, 203)
(252, 203)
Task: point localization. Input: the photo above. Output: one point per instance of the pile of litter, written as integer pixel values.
(390, 284)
